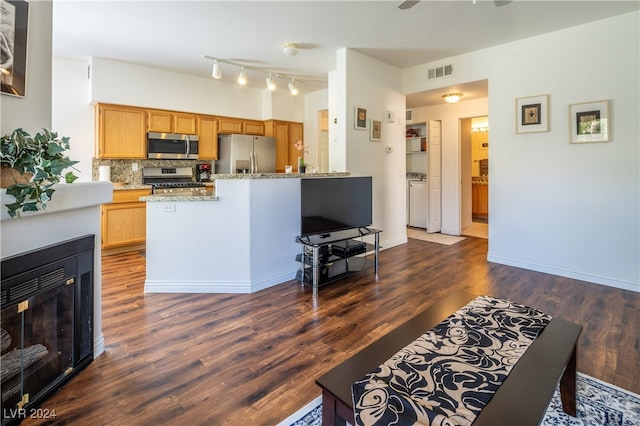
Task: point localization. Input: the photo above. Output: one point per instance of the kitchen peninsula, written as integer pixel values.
(240, 240)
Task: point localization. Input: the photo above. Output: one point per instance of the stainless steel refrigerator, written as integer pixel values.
(246, 154)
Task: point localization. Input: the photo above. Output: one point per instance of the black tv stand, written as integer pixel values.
(328, 257)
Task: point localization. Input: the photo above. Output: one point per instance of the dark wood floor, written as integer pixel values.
(221, 359)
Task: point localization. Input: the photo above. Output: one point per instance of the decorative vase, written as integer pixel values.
(302, 168)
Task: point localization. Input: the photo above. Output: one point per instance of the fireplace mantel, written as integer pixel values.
(73, 211)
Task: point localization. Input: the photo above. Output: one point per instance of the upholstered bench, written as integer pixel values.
(521, 399)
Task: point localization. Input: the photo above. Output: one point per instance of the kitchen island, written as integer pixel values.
(239, 240)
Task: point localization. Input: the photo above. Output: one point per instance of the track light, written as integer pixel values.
(217, 72)
(271, 85)
(452, 98)
(271, 79)
(292, 87)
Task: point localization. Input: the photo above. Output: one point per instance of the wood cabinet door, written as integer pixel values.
(123, 224)
(254, 128)
(229, 126)
(160, 121)
(281, 134)
(121, 132)
(208, 138)
(184, 124)
(295, 135)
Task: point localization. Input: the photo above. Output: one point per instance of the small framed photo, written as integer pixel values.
(589, 122)
(376, 130)
(532, 114)
(13, 33)
(360, 118)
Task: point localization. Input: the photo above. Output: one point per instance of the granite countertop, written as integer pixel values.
(118, 186)
(277, 175)
(172, 198)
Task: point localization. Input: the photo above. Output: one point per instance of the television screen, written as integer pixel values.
(333, 204)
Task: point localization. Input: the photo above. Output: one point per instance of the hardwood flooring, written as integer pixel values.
(223, 359)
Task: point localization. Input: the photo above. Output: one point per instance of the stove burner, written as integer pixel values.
(164, 185)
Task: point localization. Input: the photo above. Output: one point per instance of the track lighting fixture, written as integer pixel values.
(271, 85)
(292, 87)
(217, 72)
(242, 77)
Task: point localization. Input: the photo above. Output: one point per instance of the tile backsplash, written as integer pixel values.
(122, 170)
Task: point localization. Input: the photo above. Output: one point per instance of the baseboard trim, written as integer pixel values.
(611, 281)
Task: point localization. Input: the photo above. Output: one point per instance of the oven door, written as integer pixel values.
(172, 146)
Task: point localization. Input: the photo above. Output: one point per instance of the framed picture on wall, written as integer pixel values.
(360, 119)
(14, 15)
(532, 114)
(589, 122)
(376, 130)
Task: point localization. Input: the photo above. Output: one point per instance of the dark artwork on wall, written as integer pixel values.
(14, 18)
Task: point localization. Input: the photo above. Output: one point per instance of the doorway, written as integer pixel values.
(474, 168)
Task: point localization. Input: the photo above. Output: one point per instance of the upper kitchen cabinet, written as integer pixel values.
(121, 132)
(286, 134)
(171, 122)
(229, 125)
(255, 128)
(208, 138)
(234, 126)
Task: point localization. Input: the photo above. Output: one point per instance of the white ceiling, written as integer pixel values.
(174, 35)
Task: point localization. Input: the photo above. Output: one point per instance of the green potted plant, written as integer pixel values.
(31, 166)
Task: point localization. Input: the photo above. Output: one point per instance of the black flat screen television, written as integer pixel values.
(334, 204)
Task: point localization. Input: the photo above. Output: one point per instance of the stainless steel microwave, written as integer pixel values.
(172, 146)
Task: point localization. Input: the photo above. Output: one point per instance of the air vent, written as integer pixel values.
(439, 72)
(409, 116)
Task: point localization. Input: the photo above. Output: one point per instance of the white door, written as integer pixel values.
(434, 176)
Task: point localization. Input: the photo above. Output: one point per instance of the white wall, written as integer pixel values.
(33, 111)
(556, 207)
(314, 103)
(375, 86)
(72, 114)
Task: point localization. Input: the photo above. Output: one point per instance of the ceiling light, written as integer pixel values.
(292, 87)
(217, 72)
(271, 85)
(290, 49)
(242, 77)
(452, 98)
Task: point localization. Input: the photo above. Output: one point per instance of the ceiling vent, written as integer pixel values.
(439, 72)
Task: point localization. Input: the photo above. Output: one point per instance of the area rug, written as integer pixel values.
(599, 404)
(433, 238)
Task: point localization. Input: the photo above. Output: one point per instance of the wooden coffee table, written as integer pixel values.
(523, 397)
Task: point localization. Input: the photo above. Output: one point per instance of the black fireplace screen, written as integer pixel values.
(47, 322)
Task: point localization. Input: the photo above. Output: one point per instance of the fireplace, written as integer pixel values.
(47, 323)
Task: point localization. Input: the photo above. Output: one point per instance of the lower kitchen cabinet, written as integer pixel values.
(124, 221)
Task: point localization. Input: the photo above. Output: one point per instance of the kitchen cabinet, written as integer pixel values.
(480, 199)
(286, 134)
(235, 126)
(208, 138)
(171, 122)
(124, 221)
(229, 125)
(121, 132)
(255, 128)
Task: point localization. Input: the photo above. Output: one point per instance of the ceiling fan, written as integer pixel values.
(407, 4)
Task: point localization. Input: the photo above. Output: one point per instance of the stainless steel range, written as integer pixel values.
(172, 181)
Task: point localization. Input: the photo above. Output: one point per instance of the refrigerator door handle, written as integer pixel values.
(252, 156)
